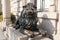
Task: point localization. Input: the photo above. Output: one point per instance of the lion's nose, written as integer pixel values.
(30, 12)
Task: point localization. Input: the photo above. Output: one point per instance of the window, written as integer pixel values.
(43, 5)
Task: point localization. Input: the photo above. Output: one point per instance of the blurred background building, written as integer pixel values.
(49, 7)
(0, 6)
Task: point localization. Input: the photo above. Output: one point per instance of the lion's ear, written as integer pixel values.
(35, 7)
(24, 6)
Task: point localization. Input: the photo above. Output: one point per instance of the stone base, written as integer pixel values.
(15, 34)
(36, 38)
(39, 38)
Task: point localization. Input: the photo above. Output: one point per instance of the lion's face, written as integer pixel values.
(29, 8)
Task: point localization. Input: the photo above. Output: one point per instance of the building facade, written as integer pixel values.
(0, 6)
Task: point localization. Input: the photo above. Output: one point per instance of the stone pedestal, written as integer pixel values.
(15, 34)
(36, 38)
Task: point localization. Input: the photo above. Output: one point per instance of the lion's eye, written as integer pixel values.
(32, 9)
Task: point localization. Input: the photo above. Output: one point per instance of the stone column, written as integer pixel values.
(6, 12)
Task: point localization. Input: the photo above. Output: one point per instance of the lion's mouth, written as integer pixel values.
(29, 11)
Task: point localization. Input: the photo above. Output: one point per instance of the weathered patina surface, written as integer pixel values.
(27, 22)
